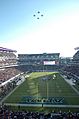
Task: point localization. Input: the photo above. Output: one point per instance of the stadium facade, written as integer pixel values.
(39, 62)
(44, 59)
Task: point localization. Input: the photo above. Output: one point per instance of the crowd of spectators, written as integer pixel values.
(6, 113)
(7, 58)
(8, 73)
(4, 90)
(73, 69)
(5, 75)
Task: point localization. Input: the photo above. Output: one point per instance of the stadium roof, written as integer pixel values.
(6, 49)
(42, 54)
(77, 48)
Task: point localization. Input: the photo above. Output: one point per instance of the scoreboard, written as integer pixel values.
(49, 62)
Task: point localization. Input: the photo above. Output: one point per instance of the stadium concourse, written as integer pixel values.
(11, 69)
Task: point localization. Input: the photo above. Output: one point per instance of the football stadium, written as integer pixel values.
(43, 83)
(39, 59)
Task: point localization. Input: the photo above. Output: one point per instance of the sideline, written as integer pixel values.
(23, 79)
(40, 105)
(70, 85)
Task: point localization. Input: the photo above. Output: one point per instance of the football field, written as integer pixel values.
(48, 88)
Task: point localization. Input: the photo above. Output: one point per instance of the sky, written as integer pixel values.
(57, 31)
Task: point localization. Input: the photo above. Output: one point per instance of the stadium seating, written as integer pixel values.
(5, 75)
(8, 73)
(73, 69)
(6, 113)
(76, 57)
(7, 57)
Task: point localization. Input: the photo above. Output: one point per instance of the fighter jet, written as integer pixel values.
(42, 15)
(37, 17)
(34, 15)
(38, 12)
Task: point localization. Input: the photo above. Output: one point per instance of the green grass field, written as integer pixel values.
(35, 87)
